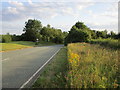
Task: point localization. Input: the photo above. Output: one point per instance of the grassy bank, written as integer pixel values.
(92, 66)
(54, 73)
(21, 44)
(16, 45)
(11, 46)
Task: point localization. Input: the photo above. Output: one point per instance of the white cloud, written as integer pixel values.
(30, 2)
(49, 10)
(82, 5)
(12, 10)
(16, 3)
(39, 10)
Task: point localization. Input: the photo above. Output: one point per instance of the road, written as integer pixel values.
(20, 65)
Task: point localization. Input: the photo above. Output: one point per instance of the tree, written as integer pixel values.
(78, 33)
(81, 25)
(32, 30)
(51, 34)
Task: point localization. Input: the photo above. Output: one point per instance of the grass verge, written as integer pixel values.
(12, 46)
(21, 44)
(54, 73)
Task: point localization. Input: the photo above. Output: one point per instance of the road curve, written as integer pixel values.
(18, 66)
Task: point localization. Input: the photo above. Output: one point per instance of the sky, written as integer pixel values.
(96, 14)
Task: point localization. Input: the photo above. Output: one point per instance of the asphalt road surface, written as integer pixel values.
(20, 65)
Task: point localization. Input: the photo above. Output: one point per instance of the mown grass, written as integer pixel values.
(110, 43)
(12, 46)
(22, 44)
(92, 66)
(16, 45)
(54, 73)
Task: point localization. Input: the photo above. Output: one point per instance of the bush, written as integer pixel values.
(6, 38)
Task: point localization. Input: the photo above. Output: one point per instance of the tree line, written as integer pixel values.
(81, 33)
(34, 30)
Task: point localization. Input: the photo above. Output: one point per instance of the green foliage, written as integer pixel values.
(102, 34)
(111, 43)
(78, 33)
(81, 33)
(32, 30)
(6, 38)
(80, 25)
(52, 34)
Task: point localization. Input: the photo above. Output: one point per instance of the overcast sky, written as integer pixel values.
(59, 14)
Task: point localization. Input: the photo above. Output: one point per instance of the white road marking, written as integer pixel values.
(37, 71)
(6, 59)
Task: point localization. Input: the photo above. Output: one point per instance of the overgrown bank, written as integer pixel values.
(92, 66)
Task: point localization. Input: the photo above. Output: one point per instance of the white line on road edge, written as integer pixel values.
(37, 71)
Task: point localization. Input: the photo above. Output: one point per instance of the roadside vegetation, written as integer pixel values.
(54, 74)
(110, 43)
(92, 66)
